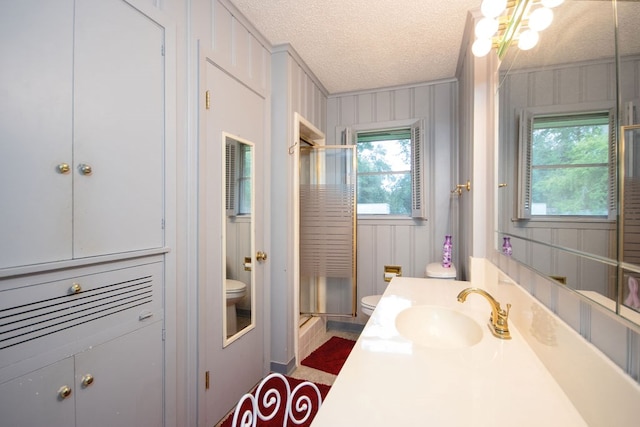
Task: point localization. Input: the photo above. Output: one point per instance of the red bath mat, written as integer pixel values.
(330, 356)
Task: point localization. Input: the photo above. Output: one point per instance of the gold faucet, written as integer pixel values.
(498, 320)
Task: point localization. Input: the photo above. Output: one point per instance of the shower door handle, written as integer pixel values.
(261, 256)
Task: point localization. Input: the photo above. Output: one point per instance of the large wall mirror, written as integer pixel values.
(562, 198)
(238, 274)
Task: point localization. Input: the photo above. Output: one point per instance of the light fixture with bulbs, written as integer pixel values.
(506, 22)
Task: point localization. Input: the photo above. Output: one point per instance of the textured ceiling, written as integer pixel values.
(363, 44)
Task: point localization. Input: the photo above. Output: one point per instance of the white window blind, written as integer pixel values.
(231, 171)
(417, 175)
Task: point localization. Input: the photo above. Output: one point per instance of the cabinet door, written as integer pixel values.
(126, 388)
(35, 399)
(118, 129)
(36, 60)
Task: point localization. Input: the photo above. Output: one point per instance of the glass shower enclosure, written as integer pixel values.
(328, 230)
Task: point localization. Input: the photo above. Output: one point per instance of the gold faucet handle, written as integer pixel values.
(501, 324)
(506, 314)
(503, 315)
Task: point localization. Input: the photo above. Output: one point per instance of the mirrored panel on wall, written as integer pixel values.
(559, 119)
(630, 222)
(238, 275)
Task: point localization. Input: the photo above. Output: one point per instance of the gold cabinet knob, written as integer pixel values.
(64, 168)
(87, 380)
(75, 288)
(261, 256)
(85, 169)
(64, 392)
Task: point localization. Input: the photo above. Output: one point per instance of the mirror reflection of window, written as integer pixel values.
(239, 164)
(244, 180)
(231, 167)
(568, 166)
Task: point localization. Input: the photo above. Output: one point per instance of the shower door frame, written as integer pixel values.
(321, 294)
(306, 133)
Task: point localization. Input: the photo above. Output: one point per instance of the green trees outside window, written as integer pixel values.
(570, 165)
(384, 172)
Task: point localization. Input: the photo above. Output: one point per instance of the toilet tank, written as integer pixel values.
(435, 270)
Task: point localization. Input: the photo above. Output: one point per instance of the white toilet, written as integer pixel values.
(368, 304)
(435, 270)
(235, 290)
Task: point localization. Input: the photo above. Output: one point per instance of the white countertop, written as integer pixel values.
(390, 381)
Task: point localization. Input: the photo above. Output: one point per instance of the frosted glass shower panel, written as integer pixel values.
(328, 230)
(326, 219)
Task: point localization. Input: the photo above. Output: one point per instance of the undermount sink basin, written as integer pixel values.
(438, 327)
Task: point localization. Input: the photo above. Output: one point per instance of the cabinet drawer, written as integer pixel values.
(38, 318)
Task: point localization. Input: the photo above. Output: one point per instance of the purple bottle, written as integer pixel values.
(506, 246)
(446, 252)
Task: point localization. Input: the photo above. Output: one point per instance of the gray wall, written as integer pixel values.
(409, 243)
(295, 90)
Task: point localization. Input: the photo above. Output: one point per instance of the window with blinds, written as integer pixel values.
(238, 164)
(567, 165)
(390, 171)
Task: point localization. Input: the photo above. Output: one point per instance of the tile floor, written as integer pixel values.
(310, 374)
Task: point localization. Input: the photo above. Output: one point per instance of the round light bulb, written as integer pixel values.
(552, 3)
(486, 28)
(540, 19)
(481, 47)
(493, 8)
(528, 39)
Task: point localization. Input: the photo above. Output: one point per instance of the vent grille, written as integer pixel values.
(37, 319)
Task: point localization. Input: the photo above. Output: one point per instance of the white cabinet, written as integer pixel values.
(36, 90)
(127, 381)
(118, 383)
(81, 130)
(97, 335)
(82, 134)
(35, 399)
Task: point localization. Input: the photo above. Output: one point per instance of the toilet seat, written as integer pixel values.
(437, 271)
(369, 303)
(235, 288)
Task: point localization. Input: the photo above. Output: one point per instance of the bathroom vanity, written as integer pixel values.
(445, 374)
